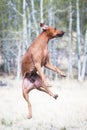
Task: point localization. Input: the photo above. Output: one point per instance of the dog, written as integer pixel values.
(37, 56)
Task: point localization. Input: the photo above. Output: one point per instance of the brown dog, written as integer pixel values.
(37, 56)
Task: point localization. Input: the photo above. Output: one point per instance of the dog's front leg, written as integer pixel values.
(51, 67)
(38, 67)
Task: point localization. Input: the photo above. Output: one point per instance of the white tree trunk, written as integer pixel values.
(78, 41)
(50, 18)
(70, 42)
(41, 11)
(29, 26)
(50, 15)
(18, 60)
(34, 18)
(85, 58)
(25, 43)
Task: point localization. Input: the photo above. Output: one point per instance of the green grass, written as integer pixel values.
(6, 123)
(63, 128)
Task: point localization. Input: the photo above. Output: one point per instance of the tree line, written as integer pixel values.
(19, 25)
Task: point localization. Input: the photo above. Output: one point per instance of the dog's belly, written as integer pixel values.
(28, 85)
(32, 81)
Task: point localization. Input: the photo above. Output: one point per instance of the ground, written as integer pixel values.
(68, 112)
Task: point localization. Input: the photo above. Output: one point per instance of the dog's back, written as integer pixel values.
(27, 63)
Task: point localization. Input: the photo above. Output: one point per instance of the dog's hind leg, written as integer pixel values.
(45, 90)
(50, 92)
(26, 88)
(25, 95)
(42, 89)
(39, 84)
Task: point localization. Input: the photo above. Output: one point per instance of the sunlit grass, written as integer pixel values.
(68, 111)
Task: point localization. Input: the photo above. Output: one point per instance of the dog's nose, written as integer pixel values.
(63, 32)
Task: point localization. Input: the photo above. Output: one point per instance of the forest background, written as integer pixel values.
(19, 25)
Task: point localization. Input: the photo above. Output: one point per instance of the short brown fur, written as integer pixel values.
(35, 57)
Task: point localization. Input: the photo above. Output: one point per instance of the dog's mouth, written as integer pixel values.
(60, 35)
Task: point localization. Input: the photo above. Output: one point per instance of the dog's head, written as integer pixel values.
(51, 31)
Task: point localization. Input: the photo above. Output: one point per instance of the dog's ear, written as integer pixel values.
(43, 26)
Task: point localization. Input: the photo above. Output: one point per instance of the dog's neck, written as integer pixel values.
(44, 37)
(41, 41)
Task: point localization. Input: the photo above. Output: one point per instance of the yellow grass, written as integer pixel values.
(68, 112)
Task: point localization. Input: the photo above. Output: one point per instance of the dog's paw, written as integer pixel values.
(63, 74)
(56, 96)
(29, 116)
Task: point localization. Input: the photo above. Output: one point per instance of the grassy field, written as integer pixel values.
(68, 112)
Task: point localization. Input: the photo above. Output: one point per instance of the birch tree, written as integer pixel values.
(70, 41)
(85, 58)
(78, 40)
(29, 25)
(51, 23)
(50, 13)
(34, 17)
(18, 60)
(41, 11)
(25, 43)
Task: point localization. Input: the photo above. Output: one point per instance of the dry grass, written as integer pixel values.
(68, 112)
